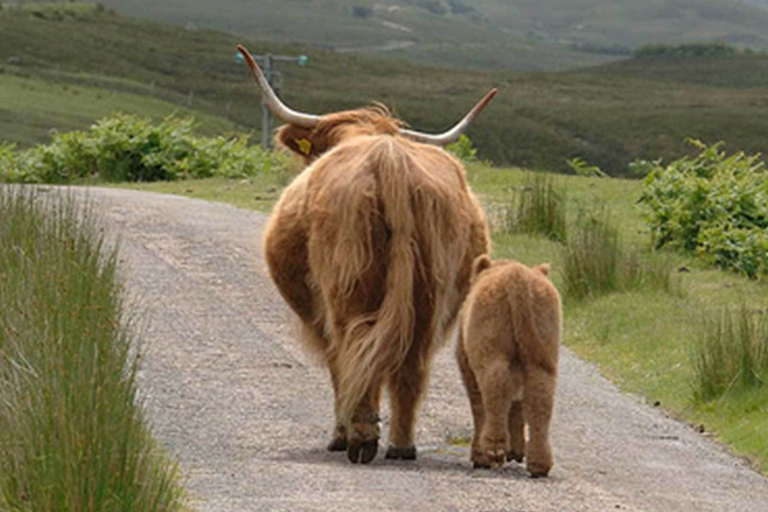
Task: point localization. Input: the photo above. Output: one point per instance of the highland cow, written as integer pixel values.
(372, 247)
(508, 347)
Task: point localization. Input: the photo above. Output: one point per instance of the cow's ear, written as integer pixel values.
(302, 141)
(544, 268)
(480, 264)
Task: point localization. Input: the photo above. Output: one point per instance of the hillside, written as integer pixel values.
(607, 115)
(522, 35)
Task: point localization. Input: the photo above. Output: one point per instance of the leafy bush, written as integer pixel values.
(730, 353)
(714, 205)
(581, 168)
(130, 148)
(463, 149)
(538, 209)
(596, 262)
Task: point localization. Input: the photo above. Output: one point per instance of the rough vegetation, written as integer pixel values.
(73, 437)
(714, 205)
(130, 148)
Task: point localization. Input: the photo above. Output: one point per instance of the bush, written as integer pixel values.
(595, 261)
(581, 168)
(712, 205)
(463, 149)
(730, 353)
(130, 148)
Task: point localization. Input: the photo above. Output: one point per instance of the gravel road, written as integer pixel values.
(231, 394)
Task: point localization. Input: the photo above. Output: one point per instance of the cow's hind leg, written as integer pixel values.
(338, 442)
(406, 388)
(364, 431)
(538, 404)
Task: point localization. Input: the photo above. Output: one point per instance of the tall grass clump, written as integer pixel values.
(595, 261)
(538, 208)
(730, 353)
(73, 436)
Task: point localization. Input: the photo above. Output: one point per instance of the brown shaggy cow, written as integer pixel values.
(508, 352)
(372, 247)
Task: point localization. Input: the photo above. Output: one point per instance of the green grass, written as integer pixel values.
(641, 338)
(32, 108)
(608, 115)
(538, 208)
(73, 436)
(731, 354)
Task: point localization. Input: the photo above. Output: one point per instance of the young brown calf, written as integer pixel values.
(508, 354)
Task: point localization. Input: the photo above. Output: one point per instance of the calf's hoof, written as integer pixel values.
(538, 470)
(408, 453)
(362, 451)
(338, 444)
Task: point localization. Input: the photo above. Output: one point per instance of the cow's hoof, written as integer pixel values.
(517, 457)
(338, 444)
(362, 452)
(480, 465)
(408, 453)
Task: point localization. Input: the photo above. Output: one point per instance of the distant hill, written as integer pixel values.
(62, 71)
(524, 35)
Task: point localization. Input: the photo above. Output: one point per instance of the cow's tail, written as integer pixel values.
(376, 345)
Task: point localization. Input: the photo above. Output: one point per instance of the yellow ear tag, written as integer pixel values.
(305, 146)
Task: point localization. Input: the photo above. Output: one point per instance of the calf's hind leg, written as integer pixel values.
(538, 404)
(516, 427)
(475, 403)
(499, 387)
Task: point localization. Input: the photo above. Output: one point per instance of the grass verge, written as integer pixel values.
(73, 436)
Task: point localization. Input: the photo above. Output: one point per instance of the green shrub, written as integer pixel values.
(130, 148)
(714, 205)
(463, 149)
(581, 168)
(72, 436)
(538, 208)
(730, 353)
(595, 262)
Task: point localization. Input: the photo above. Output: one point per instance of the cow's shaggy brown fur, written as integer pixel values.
(372, 247)
(508, 354)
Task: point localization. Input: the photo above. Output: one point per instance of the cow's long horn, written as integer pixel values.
(452, 135)
(280, 109)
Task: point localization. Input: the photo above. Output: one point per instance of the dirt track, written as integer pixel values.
(232, 395)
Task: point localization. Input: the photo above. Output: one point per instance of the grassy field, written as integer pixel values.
(523, 35)
(643, 339)
(73, 437)
(34, 107)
